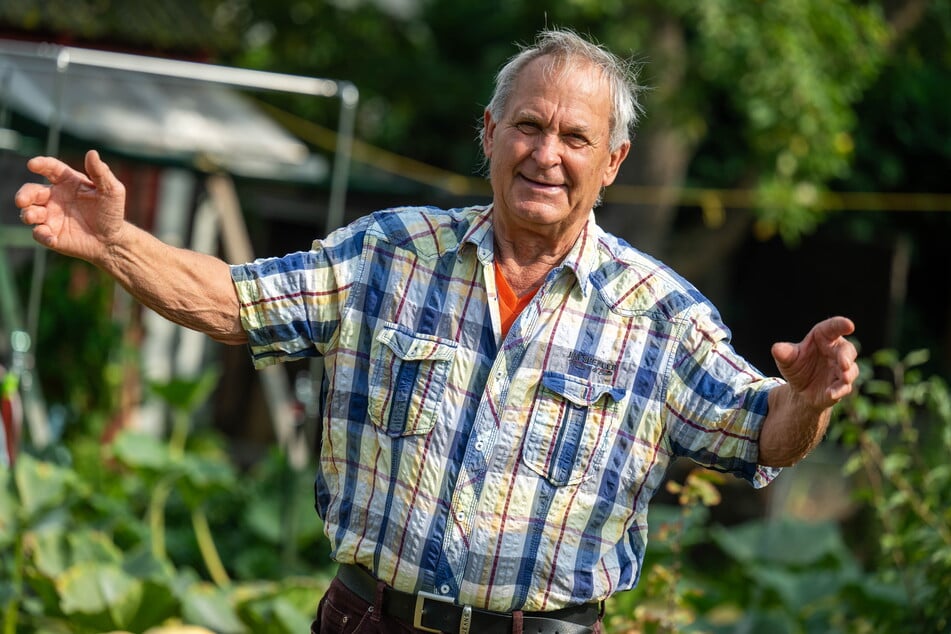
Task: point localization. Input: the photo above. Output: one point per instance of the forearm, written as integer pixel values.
(791, 430)
(186, 287)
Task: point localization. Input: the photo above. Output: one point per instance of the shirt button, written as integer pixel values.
(460, 515)
(444, 588)
(480, 446)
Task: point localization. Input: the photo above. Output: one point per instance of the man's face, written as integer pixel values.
(549, 155)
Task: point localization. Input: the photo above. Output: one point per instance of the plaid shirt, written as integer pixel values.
(507, 474)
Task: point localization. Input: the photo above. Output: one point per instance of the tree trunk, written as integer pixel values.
(660, 153)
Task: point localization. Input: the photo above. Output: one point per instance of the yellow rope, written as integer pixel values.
(712, 201)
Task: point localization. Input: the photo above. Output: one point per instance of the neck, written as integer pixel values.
(525, 258)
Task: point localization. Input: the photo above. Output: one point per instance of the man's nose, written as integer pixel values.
(547, 151)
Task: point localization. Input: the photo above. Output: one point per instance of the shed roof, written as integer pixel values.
(152, 116)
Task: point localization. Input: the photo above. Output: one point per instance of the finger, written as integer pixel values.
(54, 170)
(842, 387)
(102, 177)
(43, 234)
(852, 373)
(834, 327)
(40, 164)
(846, 354)
(839, 392)
(33, 215)
(31, 194)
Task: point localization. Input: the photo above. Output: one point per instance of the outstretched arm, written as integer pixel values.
(83, 216)
(819, 372)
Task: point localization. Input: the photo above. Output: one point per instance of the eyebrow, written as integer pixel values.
(528, 115)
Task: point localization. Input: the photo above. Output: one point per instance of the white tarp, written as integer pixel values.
(154, 116)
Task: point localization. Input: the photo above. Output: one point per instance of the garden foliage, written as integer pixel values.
(165, 535)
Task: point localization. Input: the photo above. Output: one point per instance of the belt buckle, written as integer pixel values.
(421, 598)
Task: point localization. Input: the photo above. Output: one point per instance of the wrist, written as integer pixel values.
(116, 248)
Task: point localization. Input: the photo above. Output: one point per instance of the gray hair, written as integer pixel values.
(567, 47)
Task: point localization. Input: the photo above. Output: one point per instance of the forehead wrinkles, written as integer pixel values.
(582, 76)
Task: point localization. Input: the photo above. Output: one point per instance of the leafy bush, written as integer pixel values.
(899, 432)
(149, 535)
(119, 537)
(887, 572)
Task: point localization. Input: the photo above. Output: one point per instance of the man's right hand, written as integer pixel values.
(78, 215)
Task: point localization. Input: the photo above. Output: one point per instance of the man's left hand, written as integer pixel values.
(821, 368)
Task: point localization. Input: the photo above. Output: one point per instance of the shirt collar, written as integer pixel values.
(480, 234)
(582, 259)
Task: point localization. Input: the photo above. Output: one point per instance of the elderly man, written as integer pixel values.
(506, 384)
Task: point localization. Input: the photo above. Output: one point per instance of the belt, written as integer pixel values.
(432, 613)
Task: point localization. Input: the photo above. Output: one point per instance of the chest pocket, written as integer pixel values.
(407, 380)
(571, 424)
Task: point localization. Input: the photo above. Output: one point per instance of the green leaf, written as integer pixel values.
(305, 592)
(286, 609)
(203, 475)
(209, 606)
(187, 394)
(94, 546)
(141, 563)
(41, 485)
(895, 463)
(855, 462)
(883, 592)
(159, 601)
(142, 451)
(291, 617)
(786, 541)
(772, 621)
(885, 358)
(917, 357)
(50, 553)
(101, 591)
(799, 589)
(263, 515)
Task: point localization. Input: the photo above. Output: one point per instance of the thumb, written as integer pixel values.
(100, 174)
(784, 353)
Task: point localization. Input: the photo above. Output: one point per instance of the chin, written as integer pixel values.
(542, 210)
(541, 216)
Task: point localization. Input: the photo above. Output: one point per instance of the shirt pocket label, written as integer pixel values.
(407, 380)
(571, 424)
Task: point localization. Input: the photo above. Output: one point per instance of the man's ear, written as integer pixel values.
(488, 130)
(614, 163)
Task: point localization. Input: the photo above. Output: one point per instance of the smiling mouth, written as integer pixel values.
(541, 184)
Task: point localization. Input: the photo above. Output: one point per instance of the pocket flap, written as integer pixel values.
(416, 347)
(580, 392)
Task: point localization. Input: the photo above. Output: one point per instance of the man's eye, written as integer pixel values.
(576, 140)
(527, 127)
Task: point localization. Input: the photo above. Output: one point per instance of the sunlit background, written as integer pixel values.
(793, 163)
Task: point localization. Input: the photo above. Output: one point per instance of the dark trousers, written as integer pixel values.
(342, 612)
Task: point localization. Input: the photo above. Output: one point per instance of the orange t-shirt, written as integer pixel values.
(509, 304)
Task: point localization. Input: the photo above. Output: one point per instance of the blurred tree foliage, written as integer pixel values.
(782, 98)
(903, 144)
(759, 108)
(752, 94)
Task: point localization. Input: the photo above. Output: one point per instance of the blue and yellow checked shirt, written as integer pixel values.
(509, 474)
